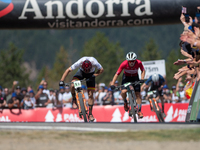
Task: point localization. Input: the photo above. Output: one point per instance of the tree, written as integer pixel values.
(11, 66)
(150, 52)
(108, 54)
(61, 63)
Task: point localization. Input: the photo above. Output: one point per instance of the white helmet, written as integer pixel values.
(155, 77)
(131, 56)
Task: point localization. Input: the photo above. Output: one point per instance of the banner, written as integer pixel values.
(174, 113)
(73, 14)
(153, 66)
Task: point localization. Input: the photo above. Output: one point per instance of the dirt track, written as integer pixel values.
(48, 140)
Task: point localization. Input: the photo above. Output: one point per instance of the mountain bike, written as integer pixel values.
(80, 98)
(132, 98)
(154, 105)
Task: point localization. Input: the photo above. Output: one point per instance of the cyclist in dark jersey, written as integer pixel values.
(87, 67)
(130, 67)
(156, 82)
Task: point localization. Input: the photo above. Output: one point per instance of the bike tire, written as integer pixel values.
(132, 107)
(82, 107)
(161, 116)
(155, 109)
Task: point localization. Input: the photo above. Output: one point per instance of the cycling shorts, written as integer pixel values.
(80, 75)
(152, 88)
(126, 79)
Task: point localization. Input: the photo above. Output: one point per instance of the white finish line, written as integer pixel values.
(63, 128)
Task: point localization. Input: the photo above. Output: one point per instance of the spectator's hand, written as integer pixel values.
(61, 83)
(141, 81)
(112, 87)
(15, 82)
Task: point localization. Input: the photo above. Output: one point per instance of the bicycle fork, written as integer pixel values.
(151, 103)
(156, 104)
(78, 102)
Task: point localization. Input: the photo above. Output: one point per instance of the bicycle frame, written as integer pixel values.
(132, 98)
(81, 102)
(154, 105)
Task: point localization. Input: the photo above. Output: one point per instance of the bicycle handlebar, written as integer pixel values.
(130, 83)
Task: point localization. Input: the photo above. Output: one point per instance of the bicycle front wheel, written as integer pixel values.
(156, 111)
(133, 108)
(160, 114)
(82, 107)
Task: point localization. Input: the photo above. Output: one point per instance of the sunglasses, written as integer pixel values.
(131, 61)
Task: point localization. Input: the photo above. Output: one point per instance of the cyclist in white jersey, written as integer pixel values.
(87, 67)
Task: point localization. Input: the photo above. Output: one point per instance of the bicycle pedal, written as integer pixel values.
(80, 115)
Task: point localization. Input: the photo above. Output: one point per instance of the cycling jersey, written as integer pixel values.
(158, 84)
(95, 64)
(130, 71)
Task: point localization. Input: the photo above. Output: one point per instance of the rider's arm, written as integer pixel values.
(100, 71)
(142, 74)
(142, 87)
(67, 71)
(114, 79)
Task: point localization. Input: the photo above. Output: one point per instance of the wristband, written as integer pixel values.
(195, 43)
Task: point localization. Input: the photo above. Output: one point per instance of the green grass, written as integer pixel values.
(158, 135)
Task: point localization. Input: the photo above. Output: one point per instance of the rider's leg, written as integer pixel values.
(90, 101)
(74, 103)
(123, 94)
(139, 101)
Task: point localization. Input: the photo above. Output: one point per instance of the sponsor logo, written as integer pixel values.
(9, 7)
(77, 9)
(4, 119)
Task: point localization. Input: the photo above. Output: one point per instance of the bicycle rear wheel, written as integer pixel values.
(133, 109)
(82, 107)
(156, 111)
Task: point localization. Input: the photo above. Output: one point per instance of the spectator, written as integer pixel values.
(180, 89)
(14, 102)
(17, 91)
(67, 102)
(2, 99)
(95, 94)
(61, 96)
(166, 94)
(42, 99)
(175, 95)
(23, 91)
(101, 93)
(7, 93)
(29, 88)
(26, 103)
(52, 97)
(32, 97)
(107, 99)
(117, 94)
(45, 84)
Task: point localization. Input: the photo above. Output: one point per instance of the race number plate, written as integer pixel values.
(77, 84)
(150, 93)
(127, 84)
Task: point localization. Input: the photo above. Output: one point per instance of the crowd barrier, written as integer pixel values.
(174, 113)
(193, 111)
